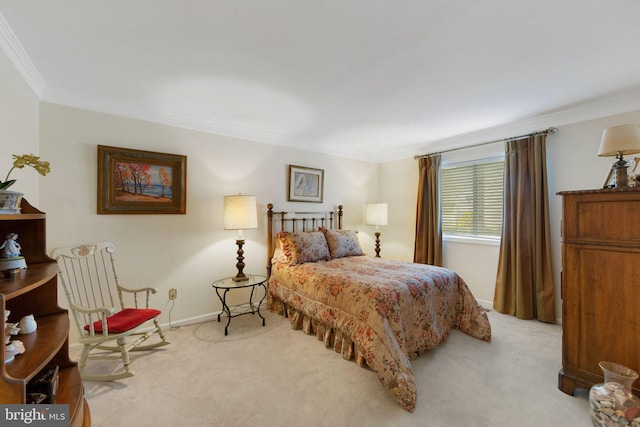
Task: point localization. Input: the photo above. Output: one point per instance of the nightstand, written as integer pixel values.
(223, 286)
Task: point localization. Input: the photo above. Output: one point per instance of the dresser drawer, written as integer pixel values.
(611, 217)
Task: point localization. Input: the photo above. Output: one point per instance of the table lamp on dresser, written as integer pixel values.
(618, 141)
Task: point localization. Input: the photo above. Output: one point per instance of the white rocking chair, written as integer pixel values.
(89, 278)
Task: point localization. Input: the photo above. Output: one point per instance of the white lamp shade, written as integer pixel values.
(375, 214)
(623, 139)
(240, 212)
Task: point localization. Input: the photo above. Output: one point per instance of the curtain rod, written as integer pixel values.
(549, 131)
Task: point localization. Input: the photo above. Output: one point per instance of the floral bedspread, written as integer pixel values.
(386, 312)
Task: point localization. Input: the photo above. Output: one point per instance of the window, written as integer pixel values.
(472, 199)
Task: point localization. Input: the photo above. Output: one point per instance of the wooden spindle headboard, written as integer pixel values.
(298, 222)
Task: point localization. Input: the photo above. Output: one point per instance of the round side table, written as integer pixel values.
(223, 286)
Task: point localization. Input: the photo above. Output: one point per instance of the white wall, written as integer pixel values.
(189, 251)
(398, 188)
(18, 128)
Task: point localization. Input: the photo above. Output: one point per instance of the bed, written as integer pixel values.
(378, 312)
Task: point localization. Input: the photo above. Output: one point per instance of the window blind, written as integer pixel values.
(471, 197)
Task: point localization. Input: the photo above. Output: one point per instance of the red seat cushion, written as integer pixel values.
(125, 320)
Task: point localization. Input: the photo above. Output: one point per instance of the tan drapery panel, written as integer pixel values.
(428, 246)
(524, 282)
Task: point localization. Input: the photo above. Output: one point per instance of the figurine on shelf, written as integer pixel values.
(11, 262)
(10, 247)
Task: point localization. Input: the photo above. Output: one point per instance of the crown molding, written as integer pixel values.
(623, 102)
(130, 110)
(12, 47)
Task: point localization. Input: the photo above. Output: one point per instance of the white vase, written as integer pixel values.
(10, 202)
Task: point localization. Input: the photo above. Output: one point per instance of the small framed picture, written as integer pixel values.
(141, 182)
(305, 184)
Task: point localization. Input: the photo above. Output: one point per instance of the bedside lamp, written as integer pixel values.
(240, 213)
(617, 141)
(376, 214)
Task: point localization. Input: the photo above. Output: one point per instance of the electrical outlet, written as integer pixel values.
(173, 293)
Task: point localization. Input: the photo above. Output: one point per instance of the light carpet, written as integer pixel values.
(274, 376)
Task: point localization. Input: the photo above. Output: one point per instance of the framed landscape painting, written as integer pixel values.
(305, 184)
(141, 182)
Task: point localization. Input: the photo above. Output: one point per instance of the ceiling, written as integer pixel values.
(370, 79)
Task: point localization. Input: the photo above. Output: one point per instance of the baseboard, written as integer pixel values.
(191, 320)
(487, 305)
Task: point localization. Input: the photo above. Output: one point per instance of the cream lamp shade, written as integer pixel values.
(618, 141)
(375, 214)
(240, 212)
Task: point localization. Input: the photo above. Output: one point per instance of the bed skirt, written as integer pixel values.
(332, 337)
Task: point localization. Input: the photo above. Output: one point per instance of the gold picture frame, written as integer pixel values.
(141, 182)
(305, 184)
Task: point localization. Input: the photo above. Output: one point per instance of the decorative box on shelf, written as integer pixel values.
(46, 384)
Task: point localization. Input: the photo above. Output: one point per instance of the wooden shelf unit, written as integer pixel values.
(600, 284)
(35, 291)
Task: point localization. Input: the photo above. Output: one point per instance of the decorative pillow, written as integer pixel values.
(304, 247)
(343, 243)
(278, 253)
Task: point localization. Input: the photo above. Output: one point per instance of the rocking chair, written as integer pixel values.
(89, 278)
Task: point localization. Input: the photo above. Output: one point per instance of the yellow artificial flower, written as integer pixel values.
(20, 162)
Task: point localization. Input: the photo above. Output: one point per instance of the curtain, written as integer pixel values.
(524, 282)
(428, 241)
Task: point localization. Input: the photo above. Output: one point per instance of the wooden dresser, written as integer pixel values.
(600, 284)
